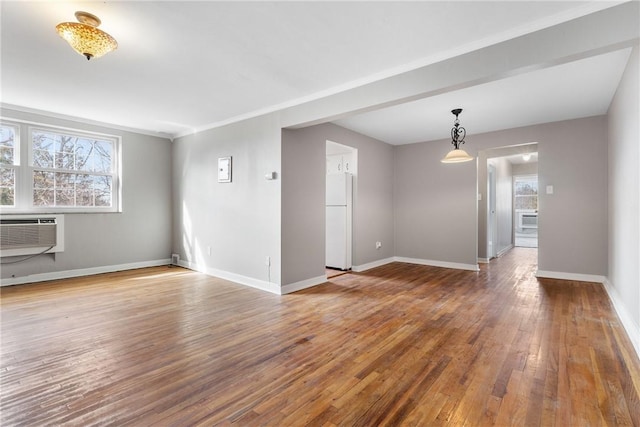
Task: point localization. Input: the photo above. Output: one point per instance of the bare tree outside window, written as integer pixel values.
(7, 161)
(71, 170)
(526, 194)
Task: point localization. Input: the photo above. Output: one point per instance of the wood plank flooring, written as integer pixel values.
(400, 344)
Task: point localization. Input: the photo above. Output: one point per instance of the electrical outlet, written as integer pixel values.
(378, 245)
(175, 259)
(267, 261)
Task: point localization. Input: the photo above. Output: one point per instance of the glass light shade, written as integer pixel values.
(87, 40)
(456, 156)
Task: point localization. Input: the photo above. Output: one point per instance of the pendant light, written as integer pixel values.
(85, 37)
(457, 155)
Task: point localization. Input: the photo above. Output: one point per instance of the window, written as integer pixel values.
(9, 159)
(526, 192)
(62, 170)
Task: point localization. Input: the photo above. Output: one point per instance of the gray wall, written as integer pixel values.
(303, 205)
(572, 222)
(436, 204)
(530, 168)
(624, 198)
(303, 197)
(228, 229)
(139, 234)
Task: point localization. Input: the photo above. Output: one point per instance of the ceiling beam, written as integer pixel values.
(598, 33)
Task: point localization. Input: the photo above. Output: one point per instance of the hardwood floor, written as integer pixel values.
(400, 344)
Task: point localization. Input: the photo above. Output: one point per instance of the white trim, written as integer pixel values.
(303, 284)
(67, 274)
(373, 264)
(444, 264)
(81, 120)
(504, 251)
(483, 260)
(274, 288)
(570, 276)
(632, 329)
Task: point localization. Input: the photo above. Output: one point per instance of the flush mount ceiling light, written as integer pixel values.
(85, 37)
(458, 133)
(526, 157)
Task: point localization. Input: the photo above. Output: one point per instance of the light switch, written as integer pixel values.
(549, 189)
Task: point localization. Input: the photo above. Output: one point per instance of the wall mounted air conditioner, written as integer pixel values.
(29, 235)
(527, 219)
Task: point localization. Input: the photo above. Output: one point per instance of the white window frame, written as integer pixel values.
(25, 169)
(16, 166)
(529, 178)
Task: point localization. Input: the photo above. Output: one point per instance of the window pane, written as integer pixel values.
(526, 187)
(65, 161)
(102, 187)
(7, 196)
(103, 157)
(43, 179)
(65, 197)
(7, 177)
(84, 190)
(526, 202)
(43, 159)
(65, 180)
(84, 198)
(6, 155)
(43, 141)
(7, 186)
(7, 135)
(84, 155)
(7, 144)
(43, 197)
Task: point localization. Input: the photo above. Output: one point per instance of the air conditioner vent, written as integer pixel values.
(20, 236)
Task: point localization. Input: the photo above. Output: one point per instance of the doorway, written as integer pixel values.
(525, 203)
(507, 212)
(341, 173)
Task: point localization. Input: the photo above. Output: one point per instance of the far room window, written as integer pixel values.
(9, 160)
(526, 193)
(72, 170)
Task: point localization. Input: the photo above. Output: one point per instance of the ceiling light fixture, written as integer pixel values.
(85, 37)
(458, 133)
(526, 157)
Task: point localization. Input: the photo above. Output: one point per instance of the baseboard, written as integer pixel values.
(504, 251)
(373, 264)
(632, 329)
(483, 260)
(570, 276)
(233, 277)
(67, 274)
(303, 284)
(444, 264)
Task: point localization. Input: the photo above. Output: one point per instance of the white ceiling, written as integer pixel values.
(184, 66)
(577, 89)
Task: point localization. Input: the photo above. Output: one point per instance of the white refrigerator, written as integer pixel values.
(339, 218)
